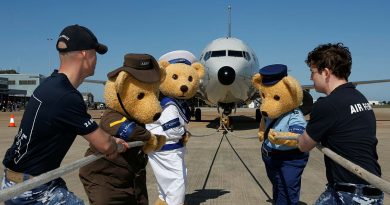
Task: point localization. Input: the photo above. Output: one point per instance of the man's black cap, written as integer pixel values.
(77, 38)
(271, 74)
(142, 67)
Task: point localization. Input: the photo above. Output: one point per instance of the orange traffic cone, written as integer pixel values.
(12, 121)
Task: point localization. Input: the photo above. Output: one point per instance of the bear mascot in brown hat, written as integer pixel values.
(131, 95)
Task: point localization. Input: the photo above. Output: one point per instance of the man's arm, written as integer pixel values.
(306, 143)
(104, 142)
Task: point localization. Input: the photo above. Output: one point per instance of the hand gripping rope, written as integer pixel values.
(18, 189)
(356, 169)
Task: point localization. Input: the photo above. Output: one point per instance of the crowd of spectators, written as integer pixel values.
(10, 106)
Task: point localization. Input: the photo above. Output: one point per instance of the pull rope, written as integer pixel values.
(352, 167)
(225, 129)
(19, 188)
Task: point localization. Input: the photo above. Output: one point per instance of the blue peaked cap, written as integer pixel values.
(271, 74)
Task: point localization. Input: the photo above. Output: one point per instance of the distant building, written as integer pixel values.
(9, 93)
(22, 82)
(20, 87)
(3, 89)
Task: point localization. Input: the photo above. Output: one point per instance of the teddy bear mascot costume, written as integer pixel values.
(131, 95)
(281, 96)
(181, 83)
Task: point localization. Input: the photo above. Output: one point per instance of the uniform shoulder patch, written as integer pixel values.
(112, 124)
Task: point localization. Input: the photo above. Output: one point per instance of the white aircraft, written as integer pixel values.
(229, 64)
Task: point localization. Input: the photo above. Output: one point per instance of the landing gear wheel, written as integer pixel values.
(198, 114)
(258, 115)
(231, 123)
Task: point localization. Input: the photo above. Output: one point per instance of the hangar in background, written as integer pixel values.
(10, 93)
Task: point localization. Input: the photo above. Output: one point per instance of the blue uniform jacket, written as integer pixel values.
(292, 121)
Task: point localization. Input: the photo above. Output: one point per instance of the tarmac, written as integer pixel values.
(222, 169)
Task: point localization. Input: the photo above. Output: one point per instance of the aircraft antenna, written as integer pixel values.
(229, 21)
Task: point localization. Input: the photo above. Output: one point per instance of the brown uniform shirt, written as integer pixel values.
(122, 180)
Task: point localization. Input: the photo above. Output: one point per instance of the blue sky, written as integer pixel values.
(278, 31)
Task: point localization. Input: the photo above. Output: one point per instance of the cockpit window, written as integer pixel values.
(247, 56)
(235, 53)
(254, 57)
(218, 53)
(207, 55)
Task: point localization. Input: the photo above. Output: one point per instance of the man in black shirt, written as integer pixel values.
(344, 122)
(55, 115)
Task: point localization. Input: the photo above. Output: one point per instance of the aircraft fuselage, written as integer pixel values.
(230, 65)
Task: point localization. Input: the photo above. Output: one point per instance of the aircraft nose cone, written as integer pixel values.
(226, 75)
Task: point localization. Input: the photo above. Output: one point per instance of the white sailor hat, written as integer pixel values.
(179, 56)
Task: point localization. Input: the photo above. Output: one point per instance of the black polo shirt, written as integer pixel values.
(344, 122)
(54, 116)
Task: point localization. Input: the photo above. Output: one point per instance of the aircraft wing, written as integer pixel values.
(308, 87)
(370, 81)
(304, 87)
(103, 82)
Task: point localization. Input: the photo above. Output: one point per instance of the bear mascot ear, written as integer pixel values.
(295, 89)
(256, 81)
(163, 74)
(120, 81)
(163, 64)
(199, 69)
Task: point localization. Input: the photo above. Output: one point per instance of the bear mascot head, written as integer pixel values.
(280, 95)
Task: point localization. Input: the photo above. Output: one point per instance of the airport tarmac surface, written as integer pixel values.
(222, 170)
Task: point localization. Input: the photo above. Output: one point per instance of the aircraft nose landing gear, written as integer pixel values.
(225, 123)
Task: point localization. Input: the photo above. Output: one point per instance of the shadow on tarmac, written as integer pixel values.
(202, 195)
(239, 122)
